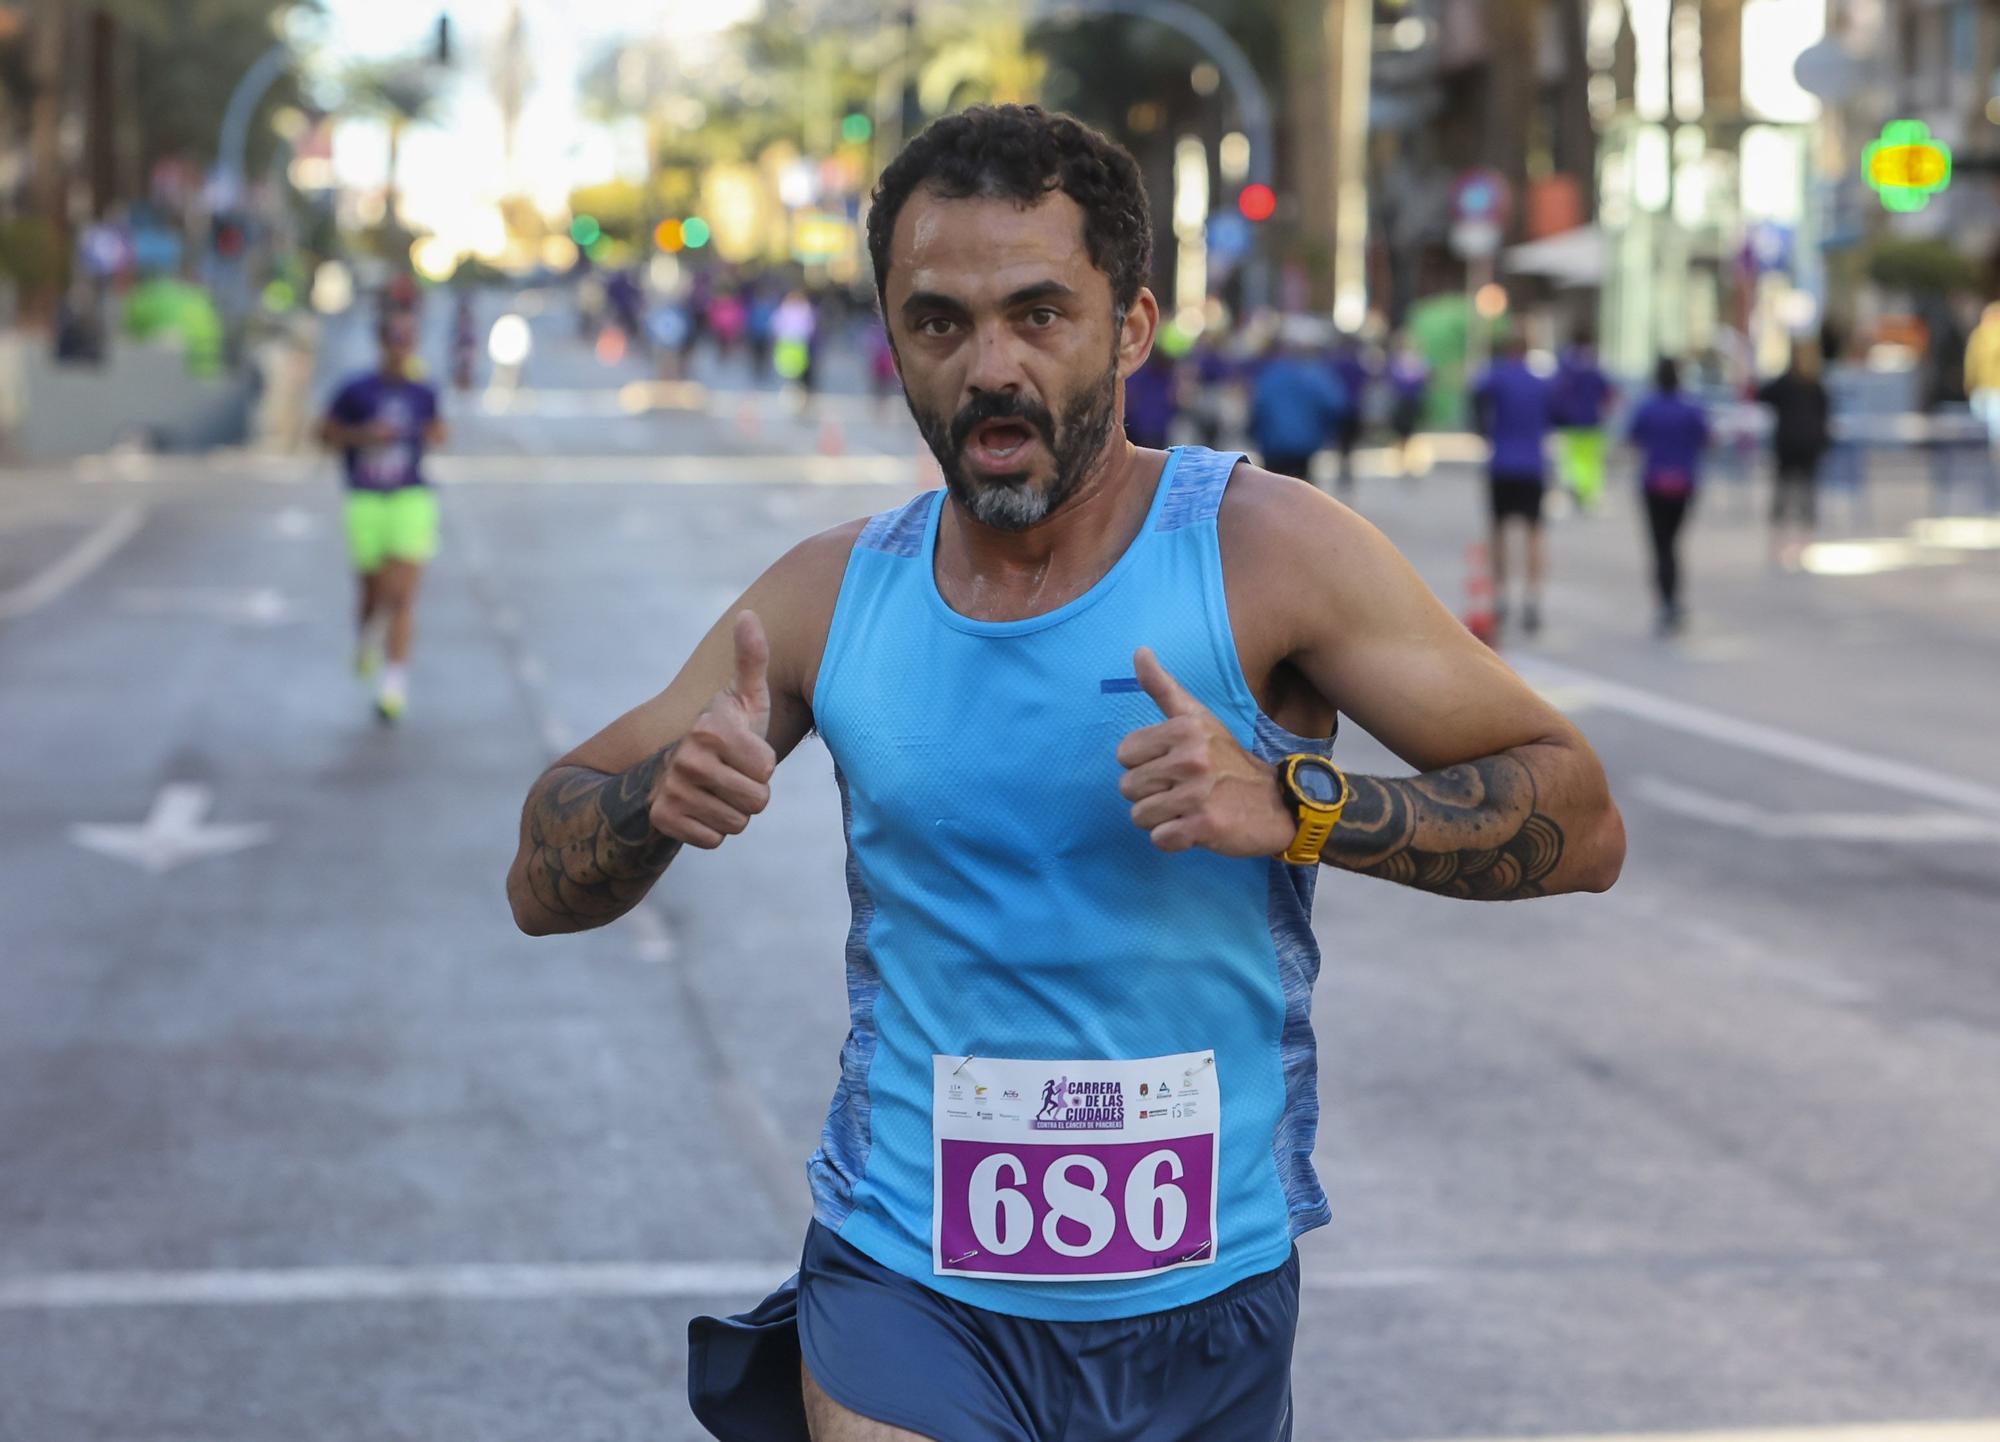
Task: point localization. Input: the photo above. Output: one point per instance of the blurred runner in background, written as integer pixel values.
(1151, 400)
(1671, 433)
(1409, 378)
(1583, 393)
(382, 422)
(1513, 404)
(1801, 433)
(1297, 403)
(1351, 369)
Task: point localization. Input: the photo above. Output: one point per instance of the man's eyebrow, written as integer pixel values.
(932, 300)
(1041, 290)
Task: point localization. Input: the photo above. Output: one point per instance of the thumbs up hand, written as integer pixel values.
(718, 775)
(1191, 784)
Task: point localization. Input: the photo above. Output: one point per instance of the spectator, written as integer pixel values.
(1350, 368)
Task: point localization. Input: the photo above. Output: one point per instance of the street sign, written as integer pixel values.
(1482, 196)
(1228, 236)
(1475, 239)
(1827, 70)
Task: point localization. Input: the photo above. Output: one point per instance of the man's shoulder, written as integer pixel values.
(1268, 518)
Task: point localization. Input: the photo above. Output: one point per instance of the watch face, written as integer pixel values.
(1317, 782)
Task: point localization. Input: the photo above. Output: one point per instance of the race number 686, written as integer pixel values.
(1051, 1209)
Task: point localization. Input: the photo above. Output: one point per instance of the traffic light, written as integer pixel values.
(1257, 202)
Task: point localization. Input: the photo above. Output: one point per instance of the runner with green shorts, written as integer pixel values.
(1583, 393)
(382, 422)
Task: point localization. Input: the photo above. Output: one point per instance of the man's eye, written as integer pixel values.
(935, 325)
(1042, 316)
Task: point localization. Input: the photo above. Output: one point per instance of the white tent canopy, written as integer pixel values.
(1573, 258)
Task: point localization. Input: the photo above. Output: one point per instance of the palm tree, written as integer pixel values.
(400, 94)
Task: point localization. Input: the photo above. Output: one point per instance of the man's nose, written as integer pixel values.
(996, 360)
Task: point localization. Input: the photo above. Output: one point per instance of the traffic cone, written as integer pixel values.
(1480, 618)
(831, 441)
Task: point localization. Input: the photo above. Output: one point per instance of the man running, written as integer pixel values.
(1513, 406)
(381, 422)
(1080, 702)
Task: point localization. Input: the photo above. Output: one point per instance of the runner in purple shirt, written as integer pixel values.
(381, 422)
(1671, 432)
(1513, 405)
(1350, 368)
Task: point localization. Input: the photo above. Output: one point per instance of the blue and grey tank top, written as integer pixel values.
(1004, 905)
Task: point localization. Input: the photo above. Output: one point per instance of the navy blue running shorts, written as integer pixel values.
(889, 1348)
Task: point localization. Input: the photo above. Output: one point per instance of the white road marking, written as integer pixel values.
(728, 1278)
(260, 606)
(1921, 828)
(1978, 1430)
(556, 736)
(655, 940)
(1579, 690)
(82, 558)
(464, 1282)
(781, 469)
(174, 832)
(295, 522)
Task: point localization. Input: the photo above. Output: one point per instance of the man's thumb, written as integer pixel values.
(752, 685)
(1171, 696)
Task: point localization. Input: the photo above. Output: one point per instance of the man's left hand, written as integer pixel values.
(1191, 784)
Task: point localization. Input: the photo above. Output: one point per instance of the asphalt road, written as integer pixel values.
(299, 1138)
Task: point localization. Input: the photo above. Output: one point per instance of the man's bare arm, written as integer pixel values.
(1510, 801)
(688, 767)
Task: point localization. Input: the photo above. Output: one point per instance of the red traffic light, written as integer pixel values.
(1257, 202)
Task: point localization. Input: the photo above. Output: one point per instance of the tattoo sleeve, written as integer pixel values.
(588, 851)
(1473, 831)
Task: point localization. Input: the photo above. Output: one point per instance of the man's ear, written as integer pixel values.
(1138, 331)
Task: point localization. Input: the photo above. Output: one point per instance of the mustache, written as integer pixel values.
(999, 406)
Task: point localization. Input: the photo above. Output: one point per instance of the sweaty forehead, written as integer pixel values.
(984, 247)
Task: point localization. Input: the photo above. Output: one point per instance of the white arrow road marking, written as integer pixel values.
(83, 558)
(174, 832)
(260, 607)
(1916, 828)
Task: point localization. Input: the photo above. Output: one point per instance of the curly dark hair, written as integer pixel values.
(1022, 152)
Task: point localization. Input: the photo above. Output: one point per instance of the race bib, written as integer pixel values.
(1073, 1171)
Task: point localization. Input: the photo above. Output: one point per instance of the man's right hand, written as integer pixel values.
(718, 775)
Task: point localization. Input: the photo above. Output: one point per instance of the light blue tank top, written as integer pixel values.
(1006, 906)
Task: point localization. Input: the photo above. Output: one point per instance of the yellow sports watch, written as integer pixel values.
(1316, 790)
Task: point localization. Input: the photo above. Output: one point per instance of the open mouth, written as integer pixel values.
(996, 442)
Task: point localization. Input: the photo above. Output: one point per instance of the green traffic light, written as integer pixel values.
(694, 232)
(584, 230)
(856, 128)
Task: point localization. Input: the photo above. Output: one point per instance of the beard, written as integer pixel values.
(1010, 501)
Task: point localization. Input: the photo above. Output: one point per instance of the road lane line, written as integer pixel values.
(83, 558)
(1577, 690)
(466, 1282)
(731, 1277)
(1923, 828)
(1973, 1430)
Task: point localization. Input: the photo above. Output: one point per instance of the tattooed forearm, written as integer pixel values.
(1471, 831)
(588, 851)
